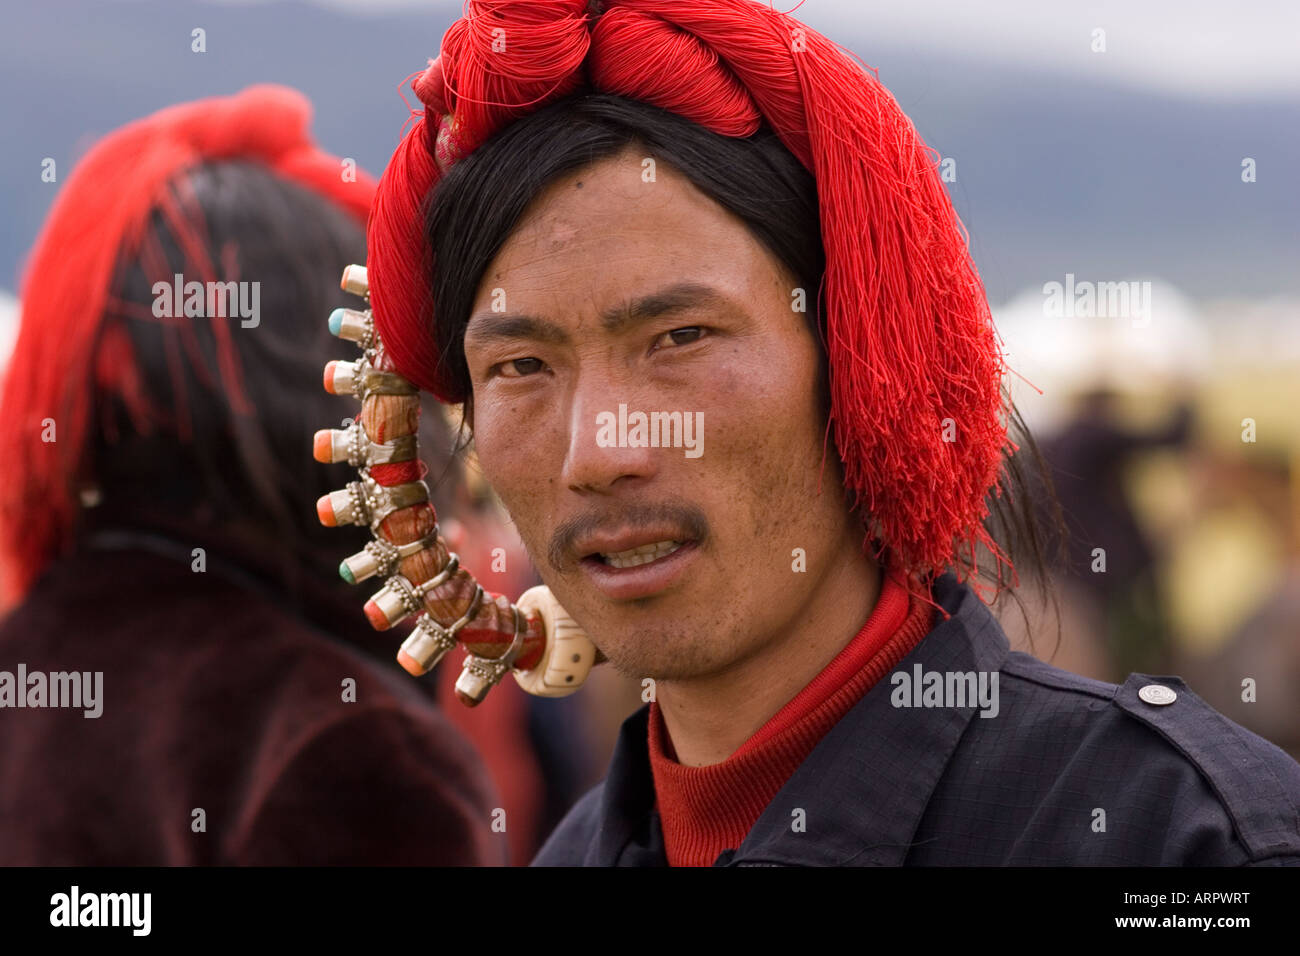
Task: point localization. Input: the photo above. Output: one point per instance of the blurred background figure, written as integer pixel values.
(1173, 439)
(153, 528)
(1089, 459)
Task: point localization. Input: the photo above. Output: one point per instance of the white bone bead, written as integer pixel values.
(569, 654)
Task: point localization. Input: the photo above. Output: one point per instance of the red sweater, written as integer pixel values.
(705, 810)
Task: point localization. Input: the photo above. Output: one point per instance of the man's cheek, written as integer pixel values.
(499, 454)
(523, 511)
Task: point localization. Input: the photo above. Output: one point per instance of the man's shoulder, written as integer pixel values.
(570, 842)
(1169, 778)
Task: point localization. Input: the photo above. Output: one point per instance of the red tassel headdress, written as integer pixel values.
(915, 366)
(64, 350)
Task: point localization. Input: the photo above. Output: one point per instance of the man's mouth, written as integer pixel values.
(642, 555)
(636, 565)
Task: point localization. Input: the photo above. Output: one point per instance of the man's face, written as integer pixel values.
(554, 349)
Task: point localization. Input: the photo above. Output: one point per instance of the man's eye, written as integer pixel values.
(682, 336)
(518, 368)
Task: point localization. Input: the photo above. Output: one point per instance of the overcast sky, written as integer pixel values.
(1201, 48)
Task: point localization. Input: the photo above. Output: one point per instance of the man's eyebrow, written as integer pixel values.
(674, 298)
(507, 326)
(510, 326)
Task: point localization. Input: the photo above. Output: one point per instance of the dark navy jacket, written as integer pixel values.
(1071, 771)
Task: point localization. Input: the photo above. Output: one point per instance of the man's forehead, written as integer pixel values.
(612, 194)
(602, 238)
(562, 231)
(565, 260)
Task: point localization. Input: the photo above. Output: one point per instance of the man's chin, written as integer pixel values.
(662, 656)
(655, 637)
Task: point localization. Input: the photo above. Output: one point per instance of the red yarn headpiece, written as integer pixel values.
(62, 353)
(915, 365)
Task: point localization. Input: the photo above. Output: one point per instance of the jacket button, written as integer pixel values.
(1157, 694)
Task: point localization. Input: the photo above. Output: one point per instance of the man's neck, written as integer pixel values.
(709, 718)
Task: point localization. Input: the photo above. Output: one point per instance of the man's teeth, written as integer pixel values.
(642, 555)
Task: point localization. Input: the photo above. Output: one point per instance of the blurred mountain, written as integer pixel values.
(1054, 174)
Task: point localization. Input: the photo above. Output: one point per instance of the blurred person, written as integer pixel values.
(1090, 457)
(184, 679)
(648, 186)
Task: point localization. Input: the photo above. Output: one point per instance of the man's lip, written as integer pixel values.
(644, 580)
(598, 544)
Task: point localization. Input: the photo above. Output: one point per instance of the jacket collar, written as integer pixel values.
(862, 791)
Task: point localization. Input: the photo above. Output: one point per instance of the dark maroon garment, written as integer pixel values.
(215, 696)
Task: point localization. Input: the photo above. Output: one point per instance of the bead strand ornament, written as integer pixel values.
(534, 638)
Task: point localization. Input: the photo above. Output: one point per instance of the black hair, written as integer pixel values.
(477, 204)
(240, 481)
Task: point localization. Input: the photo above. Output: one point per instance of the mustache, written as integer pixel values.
(686, 517)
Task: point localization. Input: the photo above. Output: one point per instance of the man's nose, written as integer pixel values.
(599, 457)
